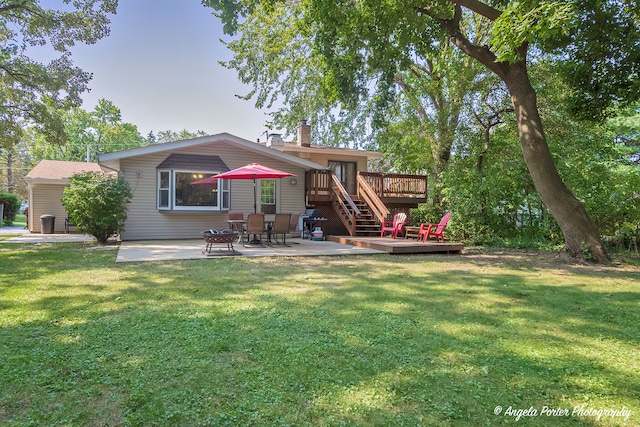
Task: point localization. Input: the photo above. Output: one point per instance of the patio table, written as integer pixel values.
(411, 232)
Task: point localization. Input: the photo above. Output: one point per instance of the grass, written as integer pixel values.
(359, 340)
(20, 220)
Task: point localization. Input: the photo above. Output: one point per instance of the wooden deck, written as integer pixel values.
(398, 246)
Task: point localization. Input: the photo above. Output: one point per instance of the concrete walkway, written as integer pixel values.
(13, 230)
(22, 235)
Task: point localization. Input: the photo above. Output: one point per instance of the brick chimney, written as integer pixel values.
(304, 134)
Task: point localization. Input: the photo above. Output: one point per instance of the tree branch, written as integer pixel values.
(480, 53)
(479, 8)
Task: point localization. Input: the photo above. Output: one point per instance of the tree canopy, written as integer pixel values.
(32, 93)
(349, 50)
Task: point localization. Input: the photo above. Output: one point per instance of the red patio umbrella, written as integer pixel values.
(252, 171)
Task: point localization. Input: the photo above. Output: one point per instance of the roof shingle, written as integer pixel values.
(57, 169)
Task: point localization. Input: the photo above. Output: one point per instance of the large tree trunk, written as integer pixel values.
(569, 212)
(572, 217)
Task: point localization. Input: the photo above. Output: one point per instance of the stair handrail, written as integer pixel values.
(343, 198)
(376, 204)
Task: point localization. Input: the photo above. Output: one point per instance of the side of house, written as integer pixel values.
(166, 206)
(354, 199)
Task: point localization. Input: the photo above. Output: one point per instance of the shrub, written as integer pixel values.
(97, 203)
(11, 206)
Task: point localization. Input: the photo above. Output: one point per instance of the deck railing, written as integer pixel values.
(396, 185)
(385, 185)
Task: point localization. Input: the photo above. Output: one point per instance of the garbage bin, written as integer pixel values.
(47, 224)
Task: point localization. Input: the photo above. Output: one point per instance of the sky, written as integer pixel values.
(160, 67)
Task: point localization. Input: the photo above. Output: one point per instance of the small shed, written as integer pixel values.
(46, 182)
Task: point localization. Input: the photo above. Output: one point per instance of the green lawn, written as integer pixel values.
(359, 340)
(20, 220)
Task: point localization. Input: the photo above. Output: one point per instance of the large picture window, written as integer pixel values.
(176, 192)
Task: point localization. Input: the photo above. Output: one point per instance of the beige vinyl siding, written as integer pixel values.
(145, 221)
(325, 158)
(46, 199)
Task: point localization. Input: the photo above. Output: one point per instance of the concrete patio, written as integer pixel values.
(164, 250)
(156, 250)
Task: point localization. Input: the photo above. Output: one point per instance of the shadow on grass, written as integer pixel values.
(362, 340)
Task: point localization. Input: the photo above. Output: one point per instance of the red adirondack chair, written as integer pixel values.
(394, 227)
(435, 230)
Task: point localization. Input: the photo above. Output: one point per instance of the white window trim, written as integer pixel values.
(275, 190)
(223, 187)
(158, 189)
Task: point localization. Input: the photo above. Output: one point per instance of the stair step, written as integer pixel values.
(365, 224)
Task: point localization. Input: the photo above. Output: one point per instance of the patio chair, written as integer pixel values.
(293, 224)
(234, 216)
(281, 226)
(68, 223)
(394, 227)
(255, 227)
(435, 230)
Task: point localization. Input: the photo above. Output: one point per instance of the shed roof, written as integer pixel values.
(57, 170)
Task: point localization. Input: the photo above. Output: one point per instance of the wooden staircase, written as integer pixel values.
(366, 223)
(361, 214)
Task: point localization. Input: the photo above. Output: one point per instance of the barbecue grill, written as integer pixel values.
(311, 219)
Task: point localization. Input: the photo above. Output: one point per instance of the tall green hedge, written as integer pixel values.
(11, 207)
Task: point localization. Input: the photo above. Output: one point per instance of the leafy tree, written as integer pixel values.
(626, 125)
(491, 195)
(170, 135)
(109, 132)
(359, 46)
(11, 205)
(89, 134)
(97, 203)
(32, 93)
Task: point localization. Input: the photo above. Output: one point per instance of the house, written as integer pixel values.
(166, 206)
(45, 184)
